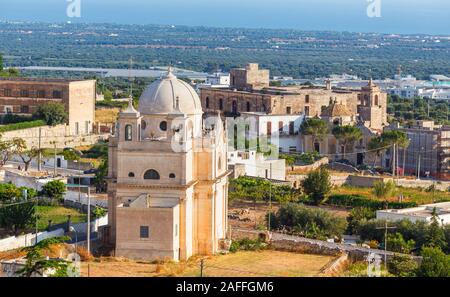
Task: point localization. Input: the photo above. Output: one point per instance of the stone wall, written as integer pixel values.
(61, 134)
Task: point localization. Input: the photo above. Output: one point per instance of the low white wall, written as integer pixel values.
(81, 228)
(12, 243)
(82, 198)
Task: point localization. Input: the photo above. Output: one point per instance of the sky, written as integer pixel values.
(396, 16)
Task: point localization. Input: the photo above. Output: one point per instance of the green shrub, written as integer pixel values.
(402, 266)
(361, 201)
(54, 189)
(434, 263)
(317, 185)
(22, 125)
(309, 222)
(247, 244)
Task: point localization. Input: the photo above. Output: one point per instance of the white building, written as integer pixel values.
(282, 131)
(421, 213)
(255, 164)
(215, 80)
(434, 93)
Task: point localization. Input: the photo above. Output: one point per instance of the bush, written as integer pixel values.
(309, 222)
(317, 185)
(361, 201)
(8, 192)
(52, 113)
(402, 266)
(23, 125)
(11, 118)
(434, 263)
(54, 189)
(396, 243)
(357, 215)
(247, 244)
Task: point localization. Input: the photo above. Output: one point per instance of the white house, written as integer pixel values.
(282, 130)
(421, 213)
(255, 164)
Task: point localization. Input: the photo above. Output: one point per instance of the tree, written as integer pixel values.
(397, 243)
(383, 190)
(317, 185)
(54, 189)
(9, 148)
(435, 237)
(28, 156)
(8, 192)
(52, 113)
(71, 154)
(402, 266)
(316, 128)
(399, 138)
(37, 262)
(376, 146)
(434, 263)
(17, 217)
(1, 62)
(357, 215)
(347, 135)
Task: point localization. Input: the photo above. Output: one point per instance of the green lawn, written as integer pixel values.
(58, 215)
(410, 194)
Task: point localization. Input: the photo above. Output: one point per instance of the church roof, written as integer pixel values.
(161, 97)
(336, 110)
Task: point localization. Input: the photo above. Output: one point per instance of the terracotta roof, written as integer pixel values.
(336, 110)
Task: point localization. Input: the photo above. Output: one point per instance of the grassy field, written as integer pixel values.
(409, 194)
(244, 263)
(106, 115)
(58, 215)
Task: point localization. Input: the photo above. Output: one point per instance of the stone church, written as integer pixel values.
(167, 176)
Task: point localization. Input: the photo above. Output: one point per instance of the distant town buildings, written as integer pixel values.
(24, 95)
(250, 91)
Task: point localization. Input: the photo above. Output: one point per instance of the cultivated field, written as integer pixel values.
(243, 263)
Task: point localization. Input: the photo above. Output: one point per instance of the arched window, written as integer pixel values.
(207, 102)
(172, 175)
(128, 133)
(163, 126)
(131, 174)
(376, 100)
(151, 174)
(234, 107)
(248, 106)
(221, 104)
(143, 125)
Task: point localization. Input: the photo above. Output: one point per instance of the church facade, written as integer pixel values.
(167, 176)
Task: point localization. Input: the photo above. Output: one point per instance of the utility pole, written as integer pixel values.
(418, 167)
(88, 220)
(393, 161)
(386, 227)
(202, 266)
(40, 151)
(54, 161)
(270, 198)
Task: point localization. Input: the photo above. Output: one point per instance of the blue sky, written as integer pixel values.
(397, 16)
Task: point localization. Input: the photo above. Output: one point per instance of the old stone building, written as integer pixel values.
(168, 176)
(24, 96)
(250, 92)
(337, 114)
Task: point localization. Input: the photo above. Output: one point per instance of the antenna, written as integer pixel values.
(130, 78)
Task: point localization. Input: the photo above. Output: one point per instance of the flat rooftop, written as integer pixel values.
(424, 211)
(42, 79)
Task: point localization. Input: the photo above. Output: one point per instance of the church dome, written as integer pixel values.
(161, 97)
